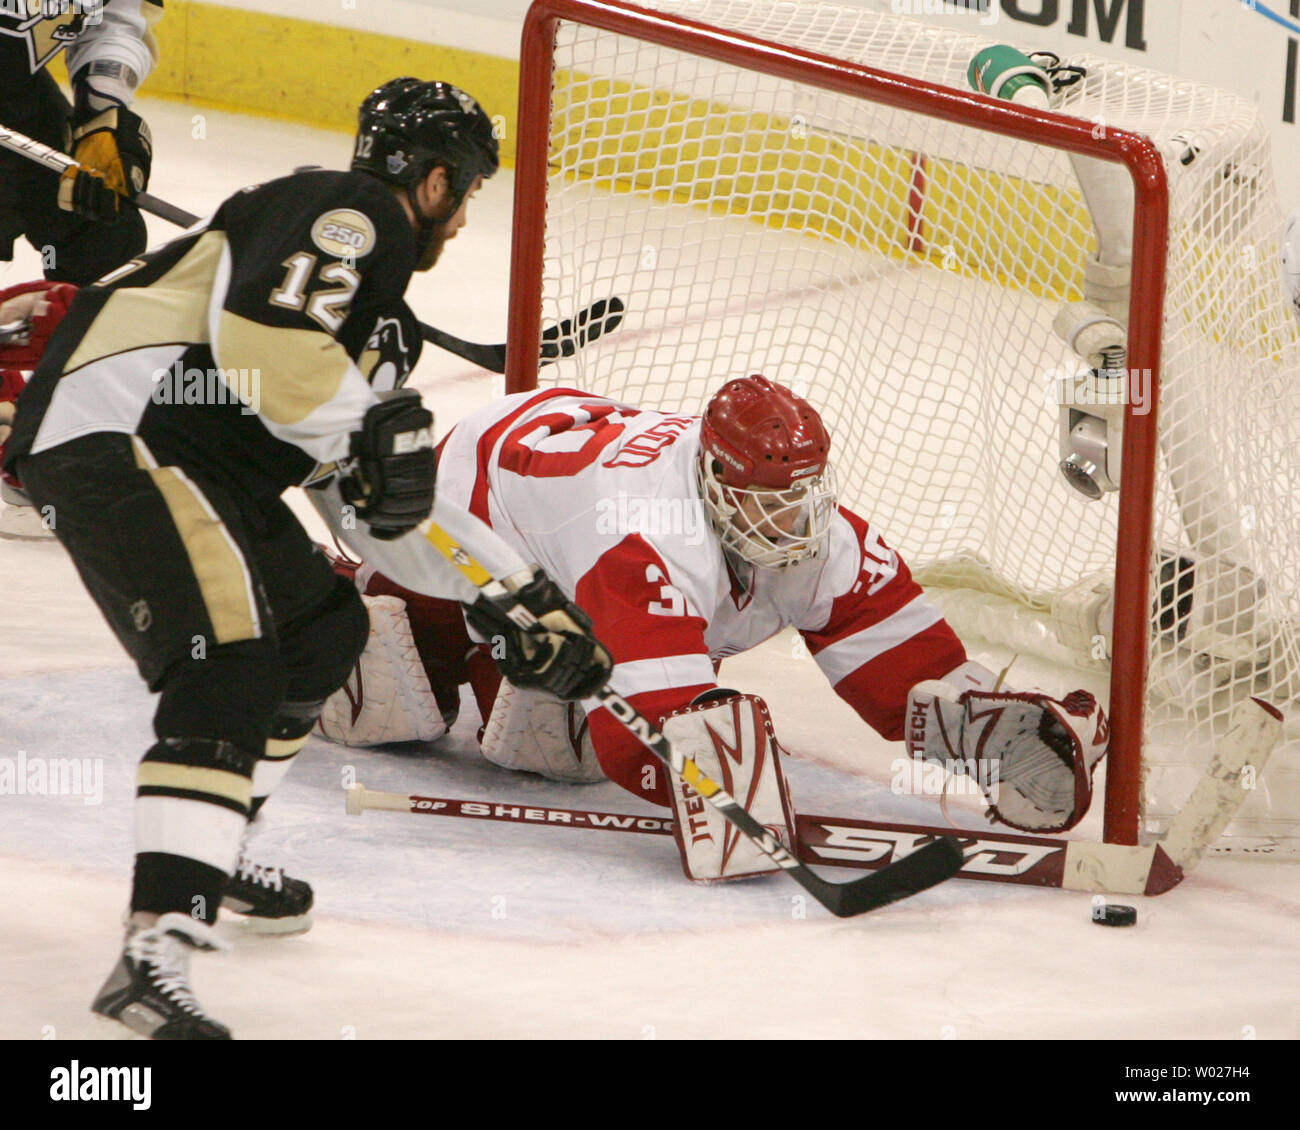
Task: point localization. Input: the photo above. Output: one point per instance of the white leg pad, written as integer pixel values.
(387, 697)
(732, 741)
(531, 731)
(19, 519)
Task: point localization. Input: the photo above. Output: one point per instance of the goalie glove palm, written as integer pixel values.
(390, 475)
(1033, 755)
(557, 653)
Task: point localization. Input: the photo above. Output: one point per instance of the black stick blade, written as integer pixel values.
(924, 868)
(565, 339)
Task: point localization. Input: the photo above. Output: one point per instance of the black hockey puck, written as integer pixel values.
(1112, 914)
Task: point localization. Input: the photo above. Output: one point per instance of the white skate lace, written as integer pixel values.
(261, 874)
(168, 959)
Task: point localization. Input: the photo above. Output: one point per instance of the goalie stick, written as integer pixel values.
(562, 340)
(842, 841)
(1003, 857)
(915, 872)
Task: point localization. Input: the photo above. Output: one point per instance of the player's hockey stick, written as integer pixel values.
(923, 868)
(58, 162)
(563, 340)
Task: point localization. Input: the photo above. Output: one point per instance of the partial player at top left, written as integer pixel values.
(82, 222)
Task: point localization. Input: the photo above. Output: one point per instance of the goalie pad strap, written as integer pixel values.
(732, 741)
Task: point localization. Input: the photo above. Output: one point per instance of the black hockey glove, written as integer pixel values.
(558, 654)
(390, 476)
(115, 151)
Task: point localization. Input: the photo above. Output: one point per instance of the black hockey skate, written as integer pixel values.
(149, 988)
(270, 901)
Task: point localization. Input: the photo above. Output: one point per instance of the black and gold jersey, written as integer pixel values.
(32, 32)
(251, 346)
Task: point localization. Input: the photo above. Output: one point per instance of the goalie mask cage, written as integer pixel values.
(815, 193)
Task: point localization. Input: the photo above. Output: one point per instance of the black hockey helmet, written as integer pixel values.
(406, 127)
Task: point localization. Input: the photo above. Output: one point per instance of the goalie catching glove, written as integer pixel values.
(390, 475)
(556, 652)
(1033, 755)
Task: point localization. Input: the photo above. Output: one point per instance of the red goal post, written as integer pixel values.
(1150, 237)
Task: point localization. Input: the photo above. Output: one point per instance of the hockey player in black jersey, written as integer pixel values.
(82, 222)
(180, 396)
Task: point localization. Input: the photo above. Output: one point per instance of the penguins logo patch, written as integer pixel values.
(344, 232)
(47, 28)
(386, 360)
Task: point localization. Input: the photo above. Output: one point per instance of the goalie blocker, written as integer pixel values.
(730, 737)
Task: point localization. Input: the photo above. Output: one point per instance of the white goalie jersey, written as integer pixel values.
(603, 496)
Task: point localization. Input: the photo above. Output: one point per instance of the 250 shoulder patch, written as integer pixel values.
(344, 232)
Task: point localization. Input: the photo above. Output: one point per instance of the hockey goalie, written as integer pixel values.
(688, 539)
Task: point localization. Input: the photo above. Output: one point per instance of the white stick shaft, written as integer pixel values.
(479, 539)
(34, 150)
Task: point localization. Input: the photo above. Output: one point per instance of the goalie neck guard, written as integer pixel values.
(765, 474)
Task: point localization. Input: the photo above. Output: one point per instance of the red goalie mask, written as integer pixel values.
(765, 474)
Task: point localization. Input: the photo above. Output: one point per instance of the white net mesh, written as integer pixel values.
(903, 274)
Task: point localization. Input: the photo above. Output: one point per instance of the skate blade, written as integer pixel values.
(275, 927)
(110, 1028)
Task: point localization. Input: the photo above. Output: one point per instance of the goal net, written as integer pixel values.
(898, 252)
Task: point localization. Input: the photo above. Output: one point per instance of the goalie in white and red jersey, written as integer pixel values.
(686, 540)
